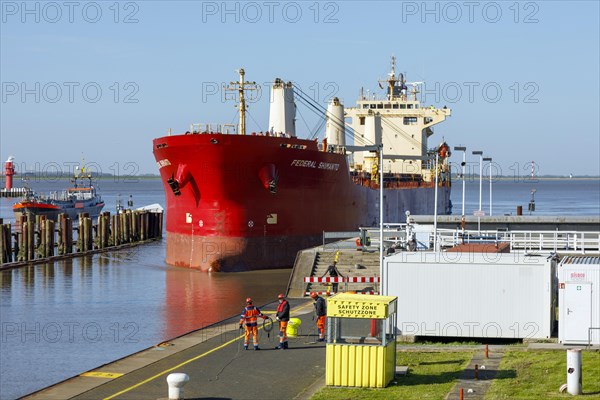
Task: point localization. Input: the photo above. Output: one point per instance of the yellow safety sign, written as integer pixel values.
(358, 306)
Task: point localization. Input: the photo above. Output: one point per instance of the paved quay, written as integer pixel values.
(217, 364)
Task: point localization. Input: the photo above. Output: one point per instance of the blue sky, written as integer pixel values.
(102, 79)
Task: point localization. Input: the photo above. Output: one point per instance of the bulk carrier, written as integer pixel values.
(238, 201)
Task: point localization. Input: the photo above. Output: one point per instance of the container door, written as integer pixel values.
(578, 311)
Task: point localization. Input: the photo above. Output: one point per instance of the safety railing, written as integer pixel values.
(529, 241)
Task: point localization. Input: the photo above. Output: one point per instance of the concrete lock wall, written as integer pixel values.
(473, 294)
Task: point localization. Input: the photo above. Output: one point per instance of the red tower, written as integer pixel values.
(9, 171)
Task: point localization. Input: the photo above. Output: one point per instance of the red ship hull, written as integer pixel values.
(239, 202)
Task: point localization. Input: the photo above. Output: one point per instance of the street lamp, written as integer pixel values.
(435, 205)
(464, 162)
(489, 159)
(480, 154)
(479, 212)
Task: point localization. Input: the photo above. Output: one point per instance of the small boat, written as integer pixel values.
(72, 201)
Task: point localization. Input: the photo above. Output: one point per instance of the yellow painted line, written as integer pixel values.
(112, 396)
(97, 374)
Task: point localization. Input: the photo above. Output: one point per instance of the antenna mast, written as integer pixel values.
(240, 87)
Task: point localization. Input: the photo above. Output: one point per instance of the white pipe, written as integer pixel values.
(574, 371)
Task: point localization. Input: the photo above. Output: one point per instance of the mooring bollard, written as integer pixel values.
(461, 394)
(574, 371)
(176, 383)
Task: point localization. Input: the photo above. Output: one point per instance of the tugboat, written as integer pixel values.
(72, 201)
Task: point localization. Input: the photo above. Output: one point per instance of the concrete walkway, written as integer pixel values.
(477, 377)
(217, 364)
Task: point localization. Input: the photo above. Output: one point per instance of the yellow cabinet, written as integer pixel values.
(361, 340)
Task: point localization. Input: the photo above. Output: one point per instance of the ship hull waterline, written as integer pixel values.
(238, 203)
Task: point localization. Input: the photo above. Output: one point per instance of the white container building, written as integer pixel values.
(477, 295)
(579, 300)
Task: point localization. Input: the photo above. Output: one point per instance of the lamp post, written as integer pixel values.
(435, 205)
(382, 277)
(464, 162)
(489, 159)
(480, 154)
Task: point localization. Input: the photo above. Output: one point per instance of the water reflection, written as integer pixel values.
(63, 318)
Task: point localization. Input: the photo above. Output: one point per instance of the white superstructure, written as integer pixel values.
(405, 124)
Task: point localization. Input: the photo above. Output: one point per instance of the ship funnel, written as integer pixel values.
(282, 113)
(373, 129)
(335, 129)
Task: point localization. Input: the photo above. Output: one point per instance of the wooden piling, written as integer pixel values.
(143, 226)
(24, 255)
(31, 240)
(106, 236)
(89, 225)
(3, 257)
(127, 218)
(61, 233)
(115, 231)
(41, 246)
(5, 243)
(160, 224)
(135, 225)
(49, 238)
(35, 239)
(68, 236)
(17, 245)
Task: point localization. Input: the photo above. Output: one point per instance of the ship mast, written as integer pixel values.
(392, 80)
(240, 87)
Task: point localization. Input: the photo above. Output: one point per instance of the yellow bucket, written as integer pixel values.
(292, 327)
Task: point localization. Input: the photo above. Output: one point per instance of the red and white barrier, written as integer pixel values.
(363, 279)
(314, 279)
(339, 279)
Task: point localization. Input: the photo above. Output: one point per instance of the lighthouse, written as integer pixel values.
(9, 171)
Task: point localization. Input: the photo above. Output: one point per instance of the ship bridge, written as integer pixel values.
(405, 126)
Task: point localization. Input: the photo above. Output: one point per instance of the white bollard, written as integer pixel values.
(574, 371)
(176, 383)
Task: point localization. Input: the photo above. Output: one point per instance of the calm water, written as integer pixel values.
(61, 319)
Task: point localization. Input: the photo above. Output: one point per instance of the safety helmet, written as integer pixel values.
(313, 295)
(281, 296)
(248, 300)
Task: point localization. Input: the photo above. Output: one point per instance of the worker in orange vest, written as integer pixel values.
(283, 316)
(250, 318)
(321, 312)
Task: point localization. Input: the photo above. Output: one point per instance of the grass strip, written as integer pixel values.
(537, 374)
(431, 376)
